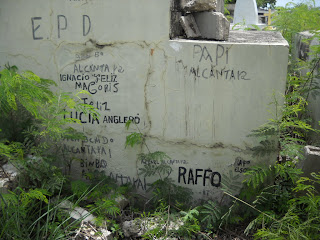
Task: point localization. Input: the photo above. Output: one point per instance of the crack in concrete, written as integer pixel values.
(19, 54)
(163, 80)
(217, 145)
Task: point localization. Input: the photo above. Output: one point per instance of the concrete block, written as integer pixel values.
(212, 25)
(302, 45)
(312, 160)
(176, 29)
(189, 26)
(198, 5)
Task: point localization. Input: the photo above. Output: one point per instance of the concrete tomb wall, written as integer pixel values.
(195, 100)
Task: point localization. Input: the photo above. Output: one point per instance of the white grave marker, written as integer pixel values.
(245, 14)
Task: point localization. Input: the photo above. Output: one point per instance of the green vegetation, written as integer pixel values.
(274, 203)
(260, 3)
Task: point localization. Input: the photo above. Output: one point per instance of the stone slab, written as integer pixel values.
(256, 37)
(213, 25)
(189, 26)
(195, 100)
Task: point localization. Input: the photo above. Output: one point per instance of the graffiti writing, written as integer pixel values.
(202, 53)
(199, 176)
(138, 183)
(241, 165)
(94, 77)
(110, 119)
(102, 106)
(87, 149)
(97, 163)
(97, 68)
(212, 72)
(62, 26)
(169, 162)
(95, 139)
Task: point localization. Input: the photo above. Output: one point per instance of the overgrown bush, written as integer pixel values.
(32, 117)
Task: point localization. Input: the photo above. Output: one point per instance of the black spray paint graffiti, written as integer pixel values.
(98, 68)
(202, 53)
(87, 149)
(97, 163)
(199, 176)
(136, 182)
(169, 162)
(62, 25)
(93, 87)
(111, 119)
(218, 56)
(95, 77)
(240, 165)
(102, 106)
(95, 139)
(199, 72)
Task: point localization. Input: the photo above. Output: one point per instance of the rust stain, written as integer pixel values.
(151, 51)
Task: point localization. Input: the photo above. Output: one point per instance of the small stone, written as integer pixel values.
(122, 201)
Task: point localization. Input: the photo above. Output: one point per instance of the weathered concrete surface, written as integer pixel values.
(189, 26)
(176, 29)
(213, 25)
(258, 37)
(195, 100)
(199, 5)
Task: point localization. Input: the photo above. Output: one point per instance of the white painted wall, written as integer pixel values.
(200, 121)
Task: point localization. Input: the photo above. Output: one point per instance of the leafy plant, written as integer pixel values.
(155, 164)
(32, 146)
(294, 18)
(212, 215)
(30, 215)
(302, 219)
